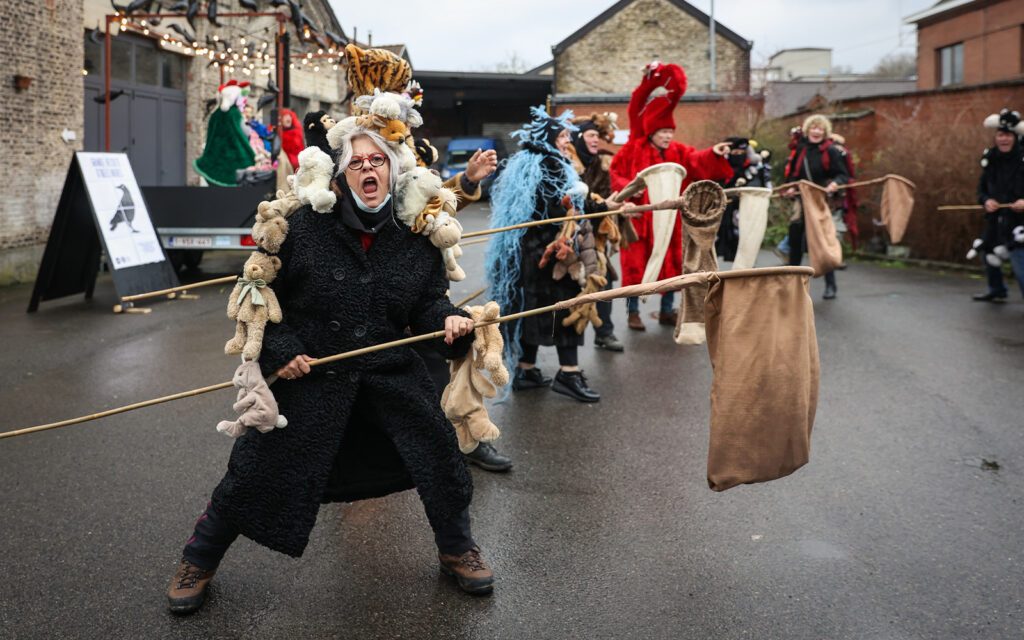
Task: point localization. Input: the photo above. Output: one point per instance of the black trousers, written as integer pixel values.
(567, 356)
(604, 311)
(797, 246)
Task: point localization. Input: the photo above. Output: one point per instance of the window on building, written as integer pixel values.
(951, 65)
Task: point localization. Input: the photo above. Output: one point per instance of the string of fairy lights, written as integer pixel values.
(247, 54)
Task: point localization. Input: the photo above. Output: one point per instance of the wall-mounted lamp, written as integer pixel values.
(21, 83)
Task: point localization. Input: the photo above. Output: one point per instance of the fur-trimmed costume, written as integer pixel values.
(535, 184)
(650, 109)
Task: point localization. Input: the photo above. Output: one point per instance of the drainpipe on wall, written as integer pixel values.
(711, 22)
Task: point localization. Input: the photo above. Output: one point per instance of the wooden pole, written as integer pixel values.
(661, 286)
(667, 204)
(968, 207)
(471, 297)
(184, 287)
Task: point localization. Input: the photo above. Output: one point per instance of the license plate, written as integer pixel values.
(190, 242)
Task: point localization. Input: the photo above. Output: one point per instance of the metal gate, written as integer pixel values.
(147, 120)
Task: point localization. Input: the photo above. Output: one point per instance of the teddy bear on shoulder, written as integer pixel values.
(428, 208)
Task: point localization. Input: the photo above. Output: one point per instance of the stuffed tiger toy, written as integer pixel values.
(370, 69)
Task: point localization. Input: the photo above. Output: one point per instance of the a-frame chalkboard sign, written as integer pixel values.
(101, 208)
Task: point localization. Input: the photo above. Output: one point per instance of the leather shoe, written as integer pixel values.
(529, 379)
(469, 570)
(634, 322)
(487, 458)
(669, 319)
(574, 385)
(188, 588)
(989, 297)
(609, 343)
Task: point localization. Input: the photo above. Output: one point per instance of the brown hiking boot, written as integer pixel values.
(188, 588)
(469, 570)
(634, 322)
(669, 319)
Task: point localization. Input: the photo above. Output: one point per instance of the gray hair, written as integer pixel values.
(394, 167)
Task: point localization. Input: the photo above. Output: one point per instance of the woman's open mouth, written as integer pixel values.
(369, 185)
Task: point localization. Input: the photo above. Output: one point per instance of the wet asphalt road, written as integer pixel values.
(900, 526)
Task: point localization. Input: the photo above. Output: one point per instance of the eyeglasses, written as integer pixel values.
(376, 160)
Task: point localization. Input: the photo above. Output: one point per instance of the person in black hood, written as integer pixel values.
(1002, 183)
(593, 164)
(749, 169)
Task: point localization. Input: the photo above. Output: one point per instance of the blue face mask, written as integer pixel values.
(367, 208)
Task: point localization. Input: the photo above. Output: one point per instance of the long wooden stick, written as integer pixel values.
(968, 207)
(675, 203)
(471, 297)
(184, 287)
(661, 286)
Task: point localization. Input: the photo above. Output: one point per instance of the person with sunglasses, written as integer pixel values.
(359, 428)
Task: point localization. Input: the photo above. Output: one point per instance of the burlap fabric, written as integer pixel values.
(820, 230)
(764, 353)
(703, 204)
(897, 205)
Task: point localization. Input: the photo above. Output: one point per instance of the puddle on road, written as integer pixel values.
(985, 463)
(1008, 342)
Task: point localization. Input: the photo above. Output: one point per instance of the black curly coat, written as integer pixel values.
(359, 428)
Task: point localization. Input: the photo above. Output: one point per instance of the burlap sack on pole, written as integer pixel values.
(753, 223)
(703, 204)
(764, 353)
(897, 205)
(822, 242)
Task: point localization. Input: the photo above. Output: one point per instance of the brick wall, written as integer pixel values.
(36, 41)
(934, 138)
(993, 39)
(609, 58)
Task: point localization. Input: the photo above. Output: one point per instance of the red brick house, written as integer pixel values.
(968, 42)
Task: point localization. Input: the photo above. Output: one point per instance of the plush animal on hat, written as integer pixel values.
(256, 406)
(315, 126)
(313, 180)
(370, 69)
(271, 227)
(426, 153)
(463, 398)
(392, 115)
(428, 208)
(252, 304)
(1006, 120)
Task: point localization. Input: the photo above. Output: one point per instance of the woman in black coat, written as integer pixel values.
(358, 428)
(816, 159)
(537, 181)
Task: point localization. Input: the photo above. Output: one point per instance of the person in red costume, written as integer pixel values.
(292, 142)
(651, 129)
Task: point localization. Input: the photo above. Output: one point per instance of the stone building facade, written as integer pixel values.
(605, 57)
(49, 42)
(34, 43)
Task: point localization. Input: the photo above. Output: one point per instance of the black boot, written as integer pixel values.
(609, 343)
(574, 385)
(529, 379)
(989, 297)
(830, 292)
(487, 458)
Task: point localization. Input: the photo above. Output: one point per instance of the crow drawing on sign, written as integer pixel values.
(125, 210)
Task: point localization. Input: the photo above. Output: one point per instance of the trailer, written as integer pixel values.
(193, 220)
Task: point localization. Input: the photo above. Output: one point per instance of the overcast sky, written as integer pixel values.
(473, 36)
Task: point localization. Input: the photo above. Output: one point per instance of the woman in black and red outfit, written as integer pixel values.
(818, 159)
